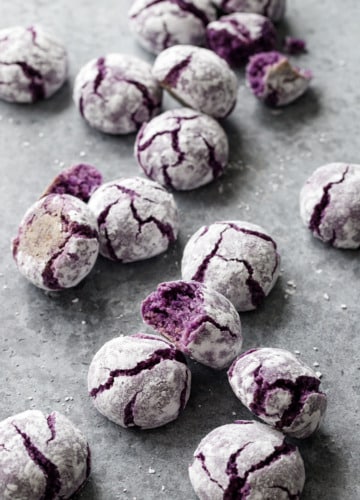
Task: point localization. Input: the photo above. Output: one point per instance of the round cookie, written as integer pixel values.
(57, 242)
(280, 389)
(137, 219)
(33, 64)
(201, 322)
(236, 258)
(274, 9)
(116, 93)
(330, 204)
(78, 180)
(182, 149)
(238, 36)
(249, 460)
(139, 381)
(161, 24)
(198, 78)
(41, 457)
(273, 80)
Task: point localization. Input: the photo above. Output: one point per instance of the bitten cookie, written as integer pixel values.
(249, 460)
(236, 258)
(182, 149)
(272, 79)
(139, 381)
(137, 219)
(330, 204)
(238, 36)
(198, 78)
(274, 9)
(57, 242)
(33, 64)
(116, 93)
(161, 24)
(41, 457)
(280, 389)
(201, 322)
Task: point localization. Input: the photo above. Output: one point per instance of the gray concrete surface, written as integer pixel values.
(47, 340)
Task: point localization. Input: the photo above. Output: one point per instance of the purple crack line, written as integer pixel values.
(174, 74)
(184, 6)
(207, 319)
(319, 209)
(100, 64)
(231, 467)
(165, 228)
(51, 472)
(291, 496)
(88, 461)
(147, 99)
(183, 393)
(129, 419)
(157, 357)
(215, 165)
(3, 447)
(102, 226)
(51, 421)
(36, 88)
(201, 457)
(201, 270)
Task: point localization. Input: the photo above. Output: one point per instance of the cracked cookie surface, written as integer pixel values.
(274, 9)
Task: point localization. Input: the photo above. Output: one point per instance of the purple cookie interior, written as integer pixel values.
(257, 68)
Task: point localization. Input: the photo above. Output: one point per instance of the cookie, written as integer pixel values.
(238, 259)
(182, 149)
(201, 322)
(33, 64)
(274, 9)
(116, 94)
(139, 381)
(57, 242)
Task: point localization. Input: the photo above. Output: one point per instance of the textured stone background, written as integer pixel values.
(47, 340)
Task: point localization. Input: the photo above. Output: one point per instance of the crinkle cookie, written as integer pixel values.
(274, 9)
(182, 149)
(198, 78)
(116, 93)
(139, 381)
(330, 204)
(79, 181)
(41, 457)
(33, 64)
(274, 80)
(163, 23)
(238, 36)
(137, 219)
(280, 389)
(236, 258)
(57, 242)
(249, 460)
(201, 322)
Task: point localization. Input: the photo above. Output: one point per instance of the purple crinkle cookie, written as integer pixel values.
(116, 93)
(330, 204)
(41, 457)
(137, 219)
(159, 24)
(246, 460)
(198, 78)
(33, 64)
(79, 180)
(280, 389)
(274, 80)
(57, 242)
(201, 322)
(182, 149)
(139, 381)
(274, 9)
(238, 36)
(236, 258)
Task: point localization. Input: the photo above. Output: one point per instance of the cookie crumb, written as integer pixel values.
(151, 470)
(326, 296)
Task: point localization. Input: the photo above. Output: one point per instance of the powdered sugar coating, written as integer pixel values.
(198, 78)
(274, 80)
(160, 24)
(249, 460)
(182, 149)
(201, 322)
(116, 93)
(238, 36)
(57, 242)
(236, 258)
(139, 381)
(280, 389)
(137, 219)
(274, 9)
(33, 64)
(41, 457)
(330, 204)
